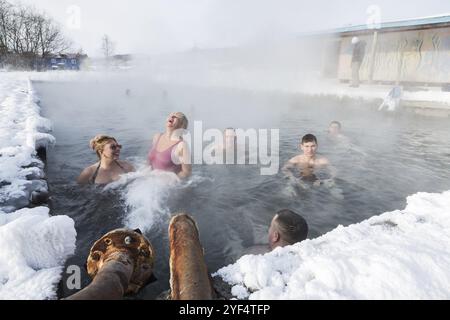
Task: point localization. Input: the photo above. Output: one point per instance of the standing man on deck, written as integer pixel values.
(359, 50)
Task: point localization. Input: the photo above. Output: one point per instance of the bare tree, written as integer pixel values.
(108, 46)
(51, 37)
(5, 12)
(26, 34)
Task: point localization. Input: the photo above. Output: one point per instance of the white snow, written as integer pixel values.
(34, 248)
(33, 245)
(22, 130)
(370, 92)
(404, 254)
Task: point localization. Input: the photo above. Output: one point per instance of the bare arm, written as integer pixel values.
(331, 169)
(185, 159)
(85, 175)
(128, 167)
(287, 169)
(131, 168)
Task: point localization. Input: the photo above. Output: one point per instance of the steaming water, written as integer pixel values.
(387, 158)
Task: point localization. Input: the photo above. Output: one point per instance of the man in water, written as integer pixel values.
(335, 133)
(342, 141)
(334, 130)
(286, 228)
(308, 162)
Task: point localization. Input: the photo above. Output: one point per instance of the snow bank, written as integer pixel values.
(33, 245)
(22, 131)
(404, 254)
(34, 248)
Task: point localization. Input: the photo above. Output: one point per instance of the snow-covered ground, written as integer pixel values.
(33, 245)
(371, 92)
(404, 254)
(33, 250)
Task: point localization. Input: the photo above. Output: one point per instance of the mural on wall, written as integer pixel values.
(409, 56)
(388, 56)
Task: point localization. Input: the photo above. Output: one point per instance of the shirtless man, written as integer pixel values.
(307, 162)
(286, 228)
(334, 130)
(335, 133)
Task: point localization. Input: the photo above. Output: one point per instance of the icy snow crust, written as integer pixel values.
(33, 245)
(404, 254)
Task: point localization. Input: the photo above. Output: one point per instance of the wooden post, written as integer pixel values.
(372, 56)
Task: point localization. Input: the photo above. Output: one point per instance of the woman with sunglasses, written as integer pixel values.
(109, 168)
(169, 151)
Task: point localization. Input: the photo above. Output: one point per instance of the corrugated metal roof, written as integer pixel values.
(401, 24)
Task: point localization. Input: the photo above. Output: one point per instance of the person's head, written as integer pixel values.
(355, 40)
(287, 228)
(230, 137)
(309, 145)
(105, 146)
(177, 120)
(334, 128)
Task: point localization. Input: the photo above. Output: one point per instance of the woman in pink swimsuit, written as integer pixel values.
(170, 152)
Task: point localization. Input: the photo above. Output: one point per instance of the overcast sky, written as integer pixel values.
(156, 26)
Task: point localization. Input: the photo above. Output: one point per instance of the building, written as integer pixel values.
(64, 61)
(413, 51)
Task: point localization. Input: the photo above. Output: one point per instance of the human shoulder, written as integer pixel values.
(182, 149)
(296, 159)
(322, 161)
(87, 173)
(91, 169)
(182, 145)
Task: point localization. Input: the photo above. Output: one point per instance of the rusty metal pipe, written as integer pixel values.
(189, 277)
(111, 281)
(120, 263)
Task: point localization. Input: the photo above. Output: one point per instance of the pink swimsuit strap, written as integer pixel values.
(162, 160)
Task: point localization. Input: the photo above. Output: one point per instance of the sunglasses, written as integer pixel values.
(114, 147)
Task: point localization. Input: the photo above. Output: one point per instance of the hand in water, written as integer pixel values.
(328, 183)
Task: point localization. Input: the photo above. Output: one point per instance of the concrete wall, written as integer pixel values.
(405, 56)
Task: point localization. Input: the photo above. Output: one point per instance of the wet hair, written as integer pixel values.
(336, 123)
(309, 138)
(98, 143)
(292, 227)
(183, 119)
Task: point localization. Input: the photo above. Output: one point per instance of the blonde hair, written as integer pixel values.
(183, 118)
(98, 143)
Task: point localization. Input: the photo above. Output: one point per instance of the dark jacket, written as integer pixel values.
(359, 51)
